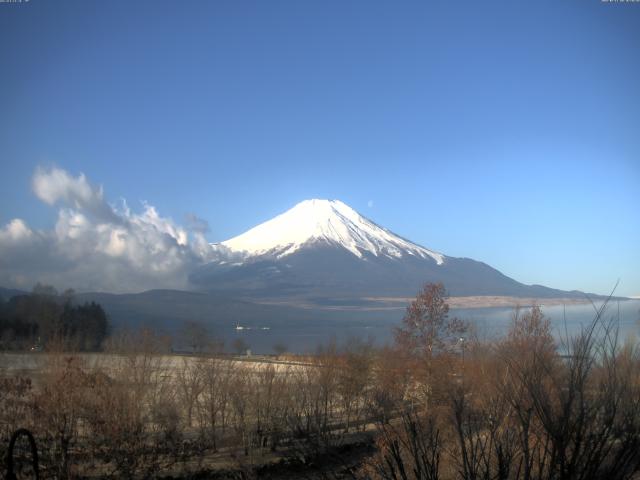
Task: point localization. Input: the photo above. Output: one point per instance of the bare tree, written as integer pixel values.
(190, 384)
(427, 330)
(429, 338)
(354, 380)
(59, 413)
(240, 346)
(131, 412)
(195, 335)
(411, 449)
(390, 383)
(213, 405)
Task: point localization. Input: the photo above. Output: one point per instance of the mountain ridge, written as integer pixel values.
(325, 248)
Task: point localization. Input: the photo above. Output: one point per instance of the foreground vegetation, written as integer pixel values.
(438, 404)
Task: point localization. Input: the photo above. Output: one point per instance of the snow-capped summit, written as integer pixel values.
(328, 222)
(323, 249)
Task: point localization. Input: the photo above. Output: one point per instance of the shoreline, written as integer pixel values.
(491, 301)
(396, 303)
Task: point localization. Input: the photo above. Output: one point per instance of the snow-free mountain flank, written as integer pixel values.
(324, 221)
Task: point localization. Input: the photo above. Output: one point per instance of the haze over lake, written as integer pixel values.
(488, 323)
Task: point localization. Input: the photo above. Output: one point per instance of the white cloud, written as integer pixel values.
(55, 185)
(15, 231)
(94, 246)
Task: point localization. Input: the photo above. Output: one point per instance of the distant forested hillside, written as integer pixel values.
(33, 320)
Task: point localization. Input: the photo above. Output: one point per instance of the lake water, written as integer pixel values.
(488, 323)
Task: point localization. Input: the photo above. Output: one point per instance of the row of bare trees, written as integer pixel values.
(136, 410)
(521, 407)
(439, 404)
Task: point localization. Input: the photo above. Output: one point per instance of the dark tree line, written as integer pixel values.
(44, 316)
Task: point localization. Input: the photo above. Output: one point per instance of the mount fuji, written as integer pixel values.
(325, 250)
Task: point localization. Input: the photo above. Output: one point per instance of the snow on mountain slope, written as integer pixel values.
(328, 221)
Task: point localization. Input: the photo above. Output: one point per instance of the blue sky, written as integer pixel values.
(508, 132)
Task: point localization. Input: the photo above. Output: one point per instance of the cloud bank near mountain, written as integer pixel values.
(98, 246)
